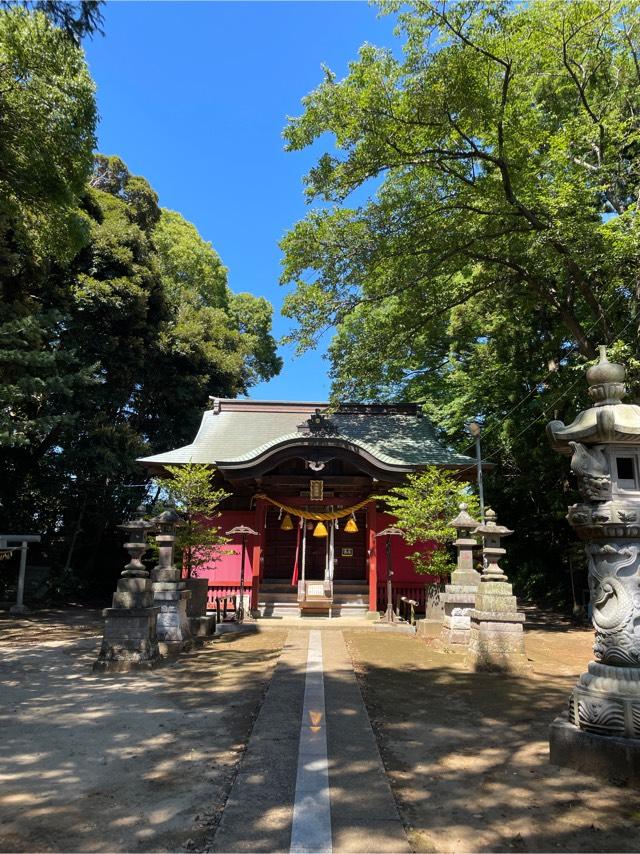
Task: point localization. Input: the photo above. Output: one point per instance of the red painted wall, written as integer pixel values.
(226, 570)
(403, 570)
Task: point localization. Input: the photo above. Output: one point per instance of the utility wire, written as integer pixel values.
(498, 420)
(542, 414)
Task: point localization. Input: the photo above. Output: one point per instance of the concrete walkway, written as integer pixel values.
(311, 778)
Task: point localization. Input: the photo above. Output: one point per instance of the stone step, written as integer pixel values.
(290, 599)
(341, 586)
(292, 609)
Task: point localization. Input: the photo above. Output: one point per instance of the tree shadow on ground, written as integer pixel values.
(127, 762)
(123, 762)
(467, 753)
(50, 624)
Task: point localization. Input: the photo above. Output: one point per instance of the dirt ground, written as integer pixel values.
(467, 755)
(120, 762)
(145, 763)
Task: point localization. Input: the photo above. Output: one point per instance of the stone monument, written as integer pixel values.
(129, 641)
(601, 734)
(170, 593)
(496, 640)
(460, 596)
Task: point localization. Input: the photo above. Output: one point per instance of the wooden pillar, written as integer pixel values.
(258, 551)
(372, 517)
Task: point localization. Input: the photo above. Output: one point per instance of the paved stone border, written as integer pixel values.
(311, 827)
(364, 815)
(312, 779)
(259, 811)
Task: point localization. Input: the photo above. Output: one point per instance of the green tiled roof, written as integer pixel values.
(397, 438)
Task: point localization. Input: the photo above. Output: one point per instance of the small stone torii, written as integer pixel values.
(5, 548)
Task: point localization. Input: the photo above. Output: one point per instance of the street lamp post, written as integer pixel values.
(389, 616)
(245, 531)
(476, 430)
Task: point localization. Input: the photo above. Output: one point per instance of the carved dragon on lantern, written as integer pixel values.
(591, 469)
(614, 584)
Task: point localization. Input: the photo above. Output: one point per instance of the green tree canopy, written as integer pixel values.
(75, 19)
(151, 337)
(424, 506)
(46, 139)
(198, 538)
(498, 244)
(47, 130)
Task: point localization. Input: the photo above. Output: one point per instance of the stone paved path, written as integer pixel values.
(312, 730)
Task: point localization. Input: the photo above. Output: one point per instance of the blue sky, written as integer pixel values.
(194, 96)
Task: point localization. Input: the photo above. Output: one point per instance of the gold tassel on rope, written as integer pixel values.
(320, 530)
(351, 527)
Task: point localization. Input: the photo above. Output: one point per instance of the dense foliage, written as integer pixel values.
(499, 242)
(424, 507)
(198, 539)
(116, 319)
(75, 18)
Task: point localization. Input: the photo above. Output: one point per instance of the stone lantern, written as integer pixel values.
(459, 597)
(601, 734)
(496, 639)
(169, 590)
(129, 641)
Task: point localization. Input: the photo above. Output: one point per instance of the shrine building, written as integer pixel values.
(304, 478)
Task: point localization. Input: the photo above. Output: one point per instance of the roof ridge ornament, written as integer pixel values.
(606, 380)
(318, 425)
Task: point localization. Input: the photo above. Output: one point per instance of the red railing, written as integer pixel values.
(217, 591)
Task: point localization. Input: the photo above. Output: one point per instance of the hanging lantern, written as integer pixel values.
(287, 524)
(320, 530)
(351, 527)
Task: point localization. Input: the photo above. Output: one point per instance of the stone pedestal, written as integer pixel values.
(496, 638)
(202, 627)
(129, 641)
(170, 593)
(459, 597)
(199, 589)
(601, 734)
(459, 601)
(173, 630)
(612, 757)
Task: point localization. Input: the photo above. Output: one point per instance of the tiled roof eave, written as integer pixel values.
(197, 453)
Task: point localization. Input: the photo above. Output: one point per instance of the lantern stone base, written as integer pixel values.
(496, 642)
(459, 601)
(606, 701)
(174, 633)
(610, 757)
(129, 641)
